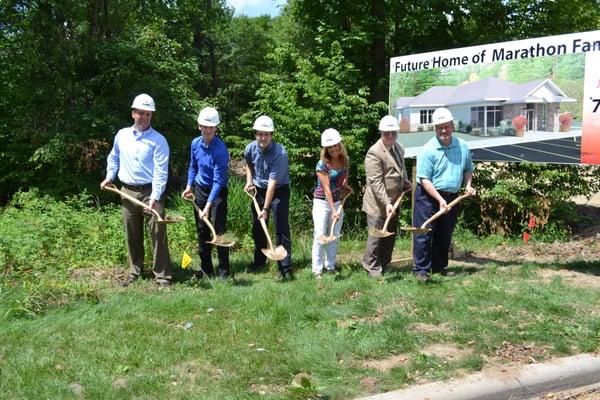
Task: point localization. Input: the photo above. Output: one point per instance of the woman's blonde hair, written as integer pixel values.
(343, 155)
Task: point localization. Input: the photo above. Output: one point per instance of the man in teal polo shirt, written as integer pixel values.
(442, 167)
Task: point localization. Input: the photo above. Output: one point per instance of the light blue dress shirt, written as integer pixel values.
(140, 158)
(444, 166)
(209, 165)
(269, 164)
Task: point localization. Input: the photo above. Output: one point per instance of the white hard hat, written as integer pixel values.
(441, 115)
(264, 124)
(208, 117)
(143, 102)
(388, 124)
(330, 137)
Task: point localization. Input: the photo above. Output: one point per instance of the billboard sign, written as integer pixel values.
(534, 100)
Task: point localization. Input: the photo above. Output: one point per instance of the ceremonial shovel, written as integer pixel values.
(216, 240)
(327, 239)
(383, 232)
(278, 253)
(167, 220)
(423, 228)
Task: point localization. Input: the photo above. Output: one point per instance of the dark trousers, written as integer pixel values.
(133, 219)
(430, 250)
(218, 218)
(378, 251)
(280, 207)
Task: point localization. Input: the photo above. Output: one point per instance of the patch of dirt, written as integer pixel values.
(188, 372)
(430, 328)
(119, 383)
(576, 394)
(516, 353)
(446, 350)
(573, 278)
(370, 384)
(97, 275)
(386, 364)
(266, 390)
(584, 249)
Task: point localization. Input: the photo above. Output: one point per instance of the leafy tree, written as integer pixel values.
(307, 95)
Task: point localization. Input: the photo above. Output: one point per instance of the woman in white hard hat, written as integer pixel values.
(332, 180)
(208, 176)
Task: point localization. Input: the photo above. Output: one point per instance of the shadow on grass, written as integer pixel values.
(581, 266)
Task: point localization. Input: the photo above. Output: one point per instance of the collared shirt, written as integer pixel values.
(269, 164)
(444, 166)
(209, 165)
(140, 158)
(337, 177)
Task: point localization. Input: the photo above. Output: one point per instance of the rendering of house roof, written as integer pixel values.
(489, 90)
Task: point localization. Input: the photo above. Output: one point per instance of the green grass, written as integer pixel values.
(69, 332)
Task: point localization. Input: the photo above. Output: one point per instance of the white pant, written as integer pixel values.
(322, 222)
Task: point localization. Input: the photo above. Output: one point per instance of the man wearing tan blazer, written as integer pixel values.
(386, 179)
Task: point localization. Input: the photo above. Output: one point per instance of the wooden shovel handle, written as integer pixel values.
(396, 204)
(112, 188)
(257, 209)
(445, 210)
(192, 199)
(339, 211)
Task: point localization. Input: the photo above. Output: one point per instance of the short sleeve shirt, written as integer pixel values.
(444, 166)
(337, 177)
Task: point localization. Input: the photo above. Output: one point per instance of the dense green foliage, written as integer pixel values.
(70, 70)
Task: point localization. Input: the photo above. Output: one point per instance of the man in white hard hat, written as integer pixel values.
(267, 169)
(442, 167)
(208, 176)
(140, 159)
(386, 179)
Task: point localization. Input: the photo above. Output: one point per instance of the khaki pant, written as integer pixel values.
(133, 219)
(378, 251)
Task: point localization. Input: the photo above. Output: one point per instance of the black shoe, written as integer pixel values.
(130, 279)
(224, 275)
(287, 275)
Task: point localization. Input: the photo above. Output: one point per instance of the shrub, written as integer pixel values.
(519, 122)
(565, 118)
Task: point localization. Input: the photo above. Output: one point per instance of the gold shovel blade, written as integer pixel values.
(277, 254)
(327, 239)
(416, 231)
(221, 242)
(379, 233)
(171, 219)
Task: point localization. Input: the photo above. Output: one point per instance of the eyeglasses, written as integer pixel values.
(263, 133)
(389, 133)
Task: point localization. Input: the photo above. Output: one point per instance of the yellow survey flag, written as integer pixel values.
(185, 260)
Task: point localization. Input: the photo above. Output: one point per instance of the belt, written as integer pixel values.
(446, 193)
(138, 188)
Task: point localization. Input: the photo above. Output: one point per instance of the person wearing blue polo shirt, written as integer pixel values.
(140, 156)
(208, 175)
(267, 169)
(442, 167)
